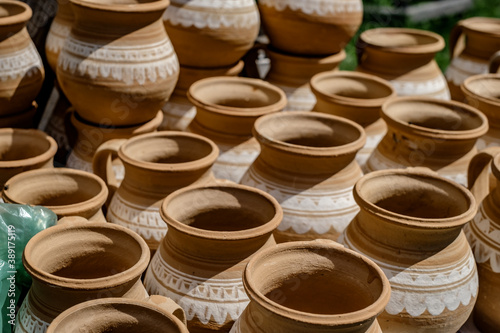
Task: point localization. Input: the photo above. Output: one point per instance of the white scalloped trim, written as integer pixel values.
(318, 7)
(20, 64)
(27, 322)
(217, 300)
(460, 69)
(57, 36)
(436, 86)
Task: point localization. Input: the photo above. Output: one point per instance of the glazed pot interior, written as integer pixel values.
(19, 145)
(221, 209)
(398, 39)
(487, 87)
(85, 253)
(10, 9)
(352, 87)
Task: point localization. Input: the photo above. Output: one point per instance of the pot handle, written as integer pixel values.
(170, 306)
(102, 163)
(479, 177)
(494, 63)
(456, 40)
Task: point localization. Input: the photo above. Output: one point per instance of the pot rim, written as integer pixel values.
(251, 233)
(239, 112)
(410, 221)
(45, 156)
(340, 150)
(466, 23)
(363, 315)
(458, 135)
(22, 17)
(154, 6)
(118, 279)
(465, 87)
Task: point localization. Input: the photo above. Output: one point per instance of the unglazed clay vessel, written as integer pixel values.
(227, 108)
(426, 132)
(23, 119)
(332, 290)
(156, 164)
(22, 150)
(21, 68)
(410, 225)
(66, 192)
(212, 33)
(405, 57)
(483, 92)
(355, 96)
(292, 73)
(213, 231)
(483, 235)
(307, 162)
(473, 43)
(118, 63)
(75, 262)
(314, 27)
(120, 315)
(59, 31)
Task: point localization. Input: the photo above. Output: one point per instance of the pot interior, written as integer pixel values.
(10, 9)
(395, 39)
(352, 87)
(120, 2)
(487, 87)
(19, 145)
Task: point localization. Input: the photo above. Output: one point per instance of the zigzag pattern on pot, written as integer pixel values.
(126, 64)
(22, 63)
(319, 7)
(460, 69)
(437, 86)
(27, 322)
(204, 299)
(57, 36)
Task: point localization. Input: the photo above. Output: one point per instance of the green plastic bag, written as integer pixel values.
(18, 223)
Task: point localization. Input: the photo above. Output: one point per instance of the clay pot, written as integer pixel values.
(405, 57)
(75, 262)
(473, 43)
(66, 192)
(227, 108)
(333, 290)
(118, 64)
(307, 162)
(212, 233)
(483, 93)
(21, 69)
(292, 74)
(156, 164)
(22, 150)
(211, 34)
(291, 24)
(355, 96)
(440, 135)
(59, 31)
(410, 225)
(24, 119)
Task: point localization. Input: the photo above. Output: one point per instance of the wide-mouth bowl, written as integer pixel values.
(484, 87)
(14, 12)
(130, 6)
(416, 198)
(331, 286)
(24, 147)
(86, 255)
(403, 40)
(222, 212)
(484, 25)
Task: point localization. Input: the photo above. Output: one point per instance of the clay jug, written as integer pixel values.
(473, 43)
(292, 73)
(483, 92)
(410, 225)
(118, 63)
(355, 96)
(226, 109)
(212, 233)
(59, 31)
(156, 164)
(310, 27)
(333, 290)
(21, 68)
(75, 262)
(307, 162)
(482, 233)
(66, 192)
(212, 34)
(405, 57)
(22, 150)
(426, 132)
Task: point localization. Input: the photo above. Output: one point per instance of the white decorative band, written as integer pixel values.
(415, 88)
(27, 322)
(76, 162)
(319, 7)
(57, 36)
(20, 64)
(460, 69)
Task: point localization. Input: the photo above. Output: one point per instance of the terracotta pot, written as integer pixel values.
(24, 119)
(59, 31)
(440, 136)
(333, 290)
(118, 64)
(405, 57)
(473, 43)
(66, 192)
(227, 108)
(290, 24)
(293, 73)
(156, 164)
(482, 92)
(211, 34)
(21, 70)
(410, 225)
(355, 96)
(178, 112)
(307, 162)
(200, 262)
(75, 262)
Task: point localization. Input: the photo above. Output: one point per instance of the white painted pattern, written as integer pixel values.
(22, 63)
(318, 7)
(234, 161)
(460, 69)
(436, 86)
(57, 36)
(27, 322)
(76, 162)
(218, 300)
